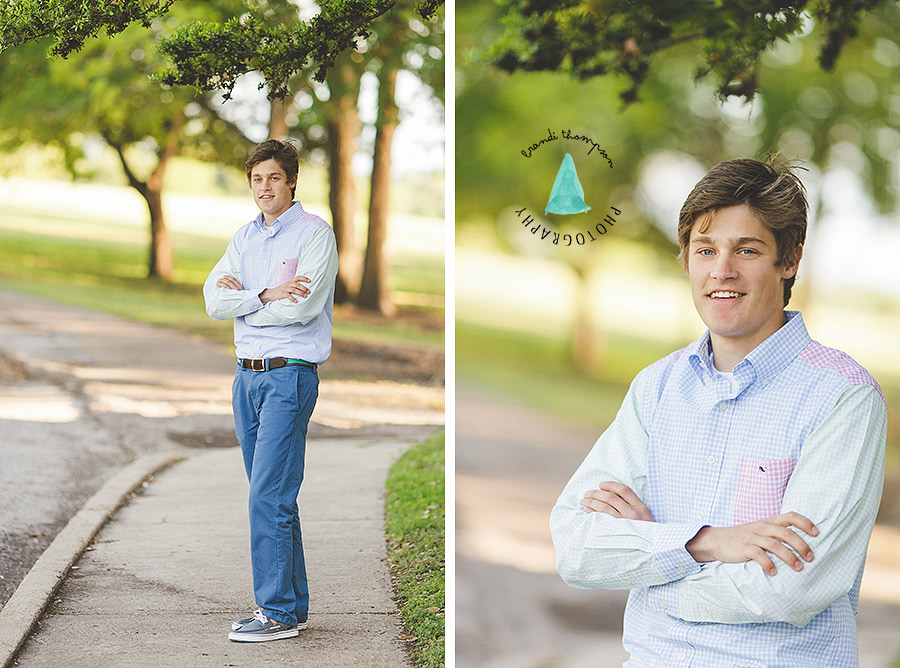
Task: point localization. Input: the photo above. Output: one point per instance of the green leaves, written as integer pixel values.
(210, 56)
(587, 38)
(70, 22)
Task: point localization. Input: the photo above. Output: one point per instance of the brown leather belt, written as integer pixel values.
(259, 364)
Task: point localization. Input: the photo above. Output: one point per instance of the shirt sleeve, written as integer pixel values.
(598, 551)
(837, 484)
(224, 303)
(319, 263)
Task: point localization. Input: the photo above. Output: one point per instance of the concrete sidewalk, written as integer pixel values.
(163, 581)
(108, 402)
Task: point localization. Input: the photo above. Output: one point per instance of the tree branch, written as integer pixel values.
(133, 181)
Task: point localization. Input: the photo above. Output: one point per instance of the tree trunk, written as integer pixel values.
(374, 291)
(588, 345)
(161, 262)
(278, 113)
(162, 255)
(343, 128)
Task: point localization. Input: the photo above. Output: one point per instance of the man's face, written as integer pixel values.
(737, 289)
(271, 189)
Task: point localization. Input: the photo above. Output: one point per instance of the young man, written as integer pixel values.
(735, 492)
(276, 280)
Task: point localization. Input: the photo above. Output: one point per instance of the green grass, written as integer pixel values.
(539, 371)
(415, 534)
(111, 276)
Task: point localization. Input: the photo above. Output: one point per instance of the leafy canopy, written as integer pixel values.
(70, 22)
(587, 38)
(207, 55)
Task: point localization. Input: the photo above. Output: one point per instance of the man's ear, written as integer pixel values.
(791, 269)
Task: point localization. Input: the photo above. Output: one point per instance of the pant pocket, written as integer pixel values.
(761, 488)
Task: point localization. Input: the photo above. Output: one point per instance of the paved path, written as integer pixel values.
(512, 610)
(162, 581)
(169, 574)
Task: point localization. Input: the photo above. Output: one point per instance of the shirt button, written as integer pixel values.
(723, 406)
(710, 460)
(682, 570)
(662, 605)
(699, 514)
(682, 656)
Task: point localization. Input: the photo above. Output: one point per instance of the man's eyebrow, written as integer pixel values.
(268, 174)
(739, 241)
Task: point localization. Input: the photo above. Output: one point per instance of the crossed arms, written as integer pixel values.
(606, 537)
(226, 296)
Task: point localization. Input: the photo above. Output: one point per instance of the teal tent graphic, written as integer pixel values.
(567, 195)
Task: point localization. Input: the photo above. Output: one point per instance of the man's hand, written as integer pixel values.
(229, 282)
(754, 542)
(286, 291)
(618, 500)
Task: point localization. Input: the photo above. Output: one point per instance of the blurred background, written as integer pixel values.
(548, 337)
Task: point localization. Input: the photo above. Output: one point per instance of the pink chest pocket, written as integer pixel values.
(287, 269)
(761, 488)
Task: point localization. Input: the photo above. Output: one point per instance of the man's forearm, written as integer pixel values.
(597, 551)
(225, 303)
(837, 482)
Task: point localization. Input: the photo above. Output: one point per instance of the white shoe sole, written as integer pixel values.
(236, 626)
(262, 637)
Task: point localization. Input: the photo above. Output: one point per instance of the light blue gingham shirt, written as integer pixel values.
(259, 257)
(803, 431)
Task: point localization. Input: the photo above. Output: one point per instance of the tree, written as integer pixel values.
(213, 55)
(593, 37)
(106, 91)
(401, 41)
(206, 54)
(342, 124)
(374, 291)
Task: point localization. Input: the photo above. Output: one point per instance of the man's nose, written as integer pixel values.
(724, 267)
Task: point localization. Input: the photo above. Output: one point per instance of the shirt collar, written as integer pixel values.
(283, 222)
(766, 360)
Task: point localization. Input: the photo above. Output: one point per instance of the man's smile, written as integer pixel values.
(725, 294)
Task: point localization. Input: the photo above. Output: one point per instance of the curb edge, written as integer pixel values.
(31, 597)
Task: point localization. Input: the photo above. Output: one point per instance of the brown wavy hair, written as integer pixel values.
(283, 152)
(774, 194)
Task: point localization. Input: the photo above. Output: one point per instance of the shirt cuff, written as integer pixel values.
(670, 554)
(253, 301)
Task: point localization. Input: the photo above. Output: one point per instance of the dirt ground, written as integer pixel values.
(422, 364)
(11, 371)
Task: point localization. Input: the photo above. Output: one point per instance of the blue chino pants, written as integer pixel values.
(271, 415)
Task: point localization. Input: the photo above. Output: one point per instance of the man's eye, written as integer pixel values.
(748, 251)
(705, 251)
